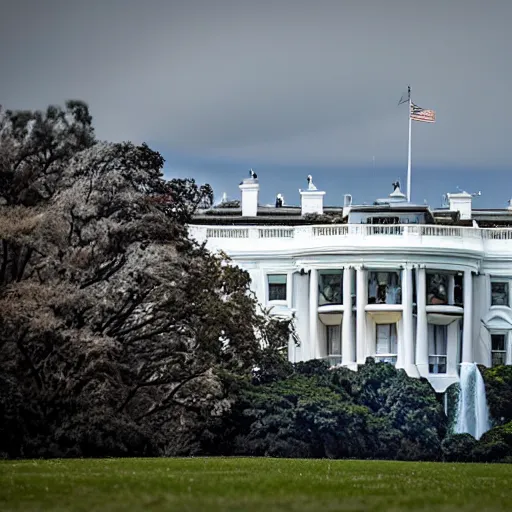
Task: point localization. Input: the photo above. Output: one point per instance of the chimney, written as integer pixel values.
(347, 204)
(312, 200)
(461, 202)
(250, 188)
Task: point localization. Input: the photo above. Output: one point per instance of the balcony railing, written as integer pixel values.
(350, 230)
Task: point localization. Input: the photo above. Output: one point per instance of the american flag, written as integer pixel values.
(421, 114)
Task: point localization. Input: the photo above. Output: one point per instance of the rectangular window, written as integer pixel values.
(330, 287)
(498, 349)
(499, 294)
(334, 340)
(437, 288)
(384, 288)
(277, 287)
(386, 343)
(438, 346)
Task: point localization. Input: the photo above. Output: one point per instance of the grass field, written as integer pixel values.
(207, 484)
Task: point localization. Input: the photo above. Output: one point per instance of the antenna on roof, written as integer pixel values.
(477, 194)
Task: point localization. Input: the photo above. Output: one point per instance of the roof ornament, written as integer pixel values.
(396, 185)
(311, 186)
(252, 174)
(279, 201)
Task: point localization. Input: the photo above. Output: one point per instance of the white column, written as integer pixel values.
(451, 289)
(313, 314)
(421, 324)
(408, 337)
(361, 300)
(348, 346)
(467, 334)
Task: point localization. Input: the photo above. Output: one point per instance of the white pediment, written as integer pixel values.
(498, 319)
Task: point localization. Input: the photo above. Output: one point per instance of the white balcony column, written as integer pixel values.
(313, 314)
(451, 289)
(408, 333)
(362, 300)
(421, 323)
(467, 334)
(347, 337)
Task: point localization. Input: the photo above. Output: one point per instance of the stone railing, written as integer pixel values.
(349, 230)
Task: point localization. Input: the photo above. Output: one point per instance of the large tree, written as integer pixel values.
(117, 331)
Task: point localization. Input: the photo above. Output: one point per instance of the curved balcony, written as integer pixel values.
(310, 239)
(443, 314)
(384, 313)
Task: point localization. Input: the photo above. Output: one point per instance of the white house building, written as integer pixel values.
(424, 289)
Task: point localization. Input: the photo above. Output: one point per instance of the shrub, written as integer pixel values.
(458, 448)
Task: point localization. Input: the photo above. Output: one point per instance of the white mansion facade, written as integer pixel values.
(424, 289)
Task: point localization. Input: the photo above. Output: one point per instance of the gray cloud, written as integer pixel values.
(286, 81)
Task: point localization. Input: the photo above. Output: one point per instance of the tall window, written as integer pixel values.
(437, 288)
(386, 343)
(384, 288)
(438, 345)
(334, 340)
(498, 350)
(330, 287)
(499, 294)
(277, 287)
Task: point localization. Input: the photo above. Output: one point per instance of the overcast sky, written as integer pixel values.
(287, 87)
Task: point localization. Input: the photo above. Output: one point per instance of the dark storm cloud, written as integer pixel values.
(286, 81)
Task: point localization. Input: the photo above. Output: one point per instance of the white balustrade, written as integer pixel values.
(338, 230)
(276, 232)
(350, 230)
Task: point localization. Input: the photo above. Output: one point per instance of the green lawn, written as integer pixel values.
(208, 484)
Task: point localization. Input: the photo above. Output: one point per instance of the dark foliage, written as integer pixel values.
(117, 332)
(458, 448)
(314, 411)
(498, 389)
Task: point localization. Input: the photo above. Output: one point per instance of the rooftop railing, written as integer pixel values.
(349, 230)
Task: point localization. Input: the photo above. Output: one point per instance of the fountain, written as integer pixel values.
(472, 412)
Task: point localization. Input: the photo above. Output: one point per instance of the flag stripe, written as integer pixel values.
(421, 114)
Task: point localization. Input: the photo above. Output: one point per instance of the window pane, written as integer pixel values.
(386, 342)
(334, 339)
(437, 288)
(499, 294)
(277, 279)
(498, 358)
(330, 288)
(437, 364)
(498, 341)
(384, 288)
(277, 287)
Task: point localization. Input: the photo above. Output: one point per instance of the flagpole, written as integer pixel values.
(409, 151)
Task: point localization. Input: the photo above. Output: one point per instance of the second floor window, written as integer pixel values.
(384, 288)
(499, 294)
(277, 287)
(330, 287)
